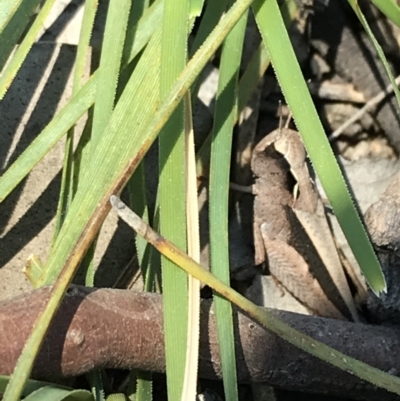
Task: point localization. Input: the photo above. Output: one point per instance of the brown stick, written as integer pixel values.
(123, 329)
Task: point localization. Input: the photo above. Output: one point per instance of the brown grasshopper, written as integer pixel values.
(291, 232)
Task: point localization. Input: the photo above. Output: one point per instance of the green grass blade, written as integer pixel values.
(141, 381)
(141, 141)
(138, 36)
(390, 9)
(224, 120)
(295, 89)
(110, 61)
(260, 60)
(211, 15)
(193, 249)
(8, 9)
(89, 14)
(50, 393)
(196, 7)
(172, 195)
(262, 315)
(138, 202)
(144, 386)
(255, 70)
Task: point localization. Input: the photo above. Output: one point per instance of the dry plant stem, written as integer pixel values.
(122, 329)
(368, 106)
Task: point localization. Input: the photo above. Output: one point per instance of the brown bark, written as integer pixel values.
(123, 329)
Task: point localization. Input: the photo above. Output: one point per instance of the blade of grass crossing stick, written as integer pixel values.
(67, 184)
(262, 315)
(193, 246)
(172, 195)
(18, 58)
(96, 384)
(390, 9)
(224, 120)
(296, 93)
(354, 4)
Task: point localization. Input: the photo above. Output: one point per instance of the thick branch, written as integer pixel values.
(123, 329)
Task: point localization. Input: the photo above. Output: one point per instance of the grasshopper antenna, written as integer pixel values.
(288, 119)
(280, 116)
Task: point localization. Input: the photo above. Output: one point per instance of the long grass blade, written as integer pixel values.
(390, 8)
(7, 11)
(50, 393)
(172, 195)
(193, 245)
(138, 201)
(224, 120)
